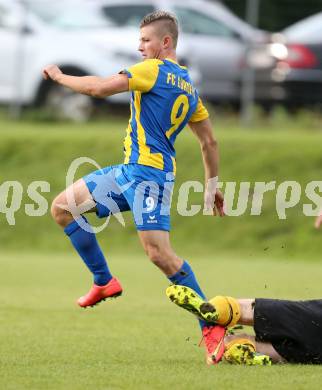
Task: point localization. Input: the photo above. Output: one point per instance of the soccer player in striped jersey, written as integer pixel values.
(164, 100)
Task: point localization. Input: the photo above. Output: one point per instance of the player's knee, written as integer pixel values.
(155, 254)
(59, 214)
(56, 213)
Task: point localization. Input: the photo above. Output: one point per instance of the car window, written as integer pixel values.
(127, 15)
(194, 22)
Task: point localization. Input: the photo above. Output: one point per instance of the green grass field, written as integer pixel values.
(142, 341)
(139, 341)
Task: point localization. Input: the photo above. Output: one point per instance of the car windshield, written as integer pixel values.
(307, 29)
(73, 15)
(195, 22)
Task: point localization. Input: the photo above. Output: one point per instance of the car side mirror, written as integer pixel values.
(27, 30)
(238, 36)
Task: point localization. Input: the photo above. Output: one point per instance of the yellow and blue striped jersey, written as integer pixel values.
(163, 101)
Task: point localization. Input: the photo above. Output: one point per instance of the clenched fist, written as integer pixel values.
(51, 72)
(214, 201)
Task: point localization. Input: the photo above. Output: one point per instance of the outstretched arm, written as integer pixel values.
(209, 149)
(88, 85)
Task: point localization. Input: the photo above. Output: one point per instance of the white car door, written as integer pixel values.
(9, 39)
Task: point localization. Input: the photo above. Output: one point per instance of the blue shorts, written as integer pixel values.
(144, 190)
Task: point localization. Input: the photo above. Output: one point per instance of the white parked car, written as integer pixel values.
(81, 42)
(100, 37)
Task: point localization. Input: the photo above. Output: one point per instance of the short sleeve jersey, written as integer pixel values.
(163, 101)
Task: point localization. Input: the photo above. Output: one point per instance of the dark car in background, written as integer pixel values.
(294, 75)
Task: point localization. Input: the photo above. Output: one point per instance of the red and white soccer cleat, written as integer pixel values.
(97, 294)
(213, 337)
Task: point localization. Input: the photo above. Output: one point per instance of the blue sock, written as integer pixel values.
(186, 277)
(87, 247)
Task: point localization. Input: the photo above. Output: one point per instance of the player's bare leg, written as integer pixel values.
(268, 349)
(246, 311)
(156, 244)
(158, 248)
(262, 348)
(67, 210)
(227, 312)
(75, 200)
(247, 318)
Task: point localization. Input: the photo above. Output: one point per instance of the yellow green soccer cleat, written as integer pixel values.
(243, 352)
(188, 299)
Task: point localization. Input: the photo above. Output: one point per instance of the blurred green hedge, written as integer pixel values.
(41, 151)
(275, 15)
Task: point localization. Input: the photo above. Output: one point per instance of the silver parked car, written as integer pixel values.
(212, 39)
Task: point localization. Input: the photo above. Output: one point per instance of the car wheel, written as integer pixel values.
(63, 103)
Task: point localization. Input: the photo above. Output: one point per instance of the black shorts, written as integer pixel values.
(294, 328)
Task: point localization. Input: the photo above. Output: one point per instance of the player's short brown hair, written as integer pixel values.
(169, 23)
